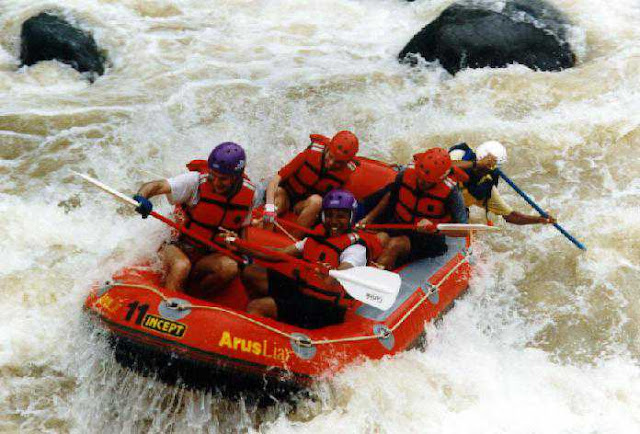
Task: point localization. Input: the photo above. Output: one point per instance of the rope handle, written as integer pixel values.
(383, 334)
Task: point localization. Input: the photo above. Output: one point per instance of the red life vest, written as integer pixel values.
(412, 205)
(327, 250)
(214, 210)
(312, 177)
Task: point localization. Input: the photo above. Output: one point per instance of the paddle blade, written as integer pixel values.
(370, 285)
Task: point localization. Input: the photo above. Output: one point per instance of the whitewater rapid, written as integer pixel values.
(546, 340)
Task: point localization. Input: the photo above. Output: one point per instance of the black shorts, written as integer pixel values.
(299, 309)
(422, 245)
(194, 250)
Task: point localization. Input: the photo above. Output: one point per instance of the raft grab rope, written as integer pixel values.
(382, 334)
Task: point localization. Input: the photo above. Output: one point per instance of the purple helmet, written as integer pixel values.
(340, 199)
(227, 158)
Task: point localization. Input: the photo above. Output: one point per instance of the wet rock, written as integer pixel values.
(472, 34)
(49, 37)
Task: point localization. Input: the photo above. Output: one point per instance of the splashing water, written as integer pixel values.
(546, 339)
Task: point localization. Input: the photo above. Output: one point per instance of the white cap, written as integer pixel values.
(494, 148)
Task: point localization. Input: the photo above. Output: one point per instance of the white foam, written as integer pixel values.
(546, 340)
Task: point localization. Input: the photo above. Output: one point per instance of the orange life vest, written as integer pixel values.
(312, 177)
(327, 250)
(214, 210)
(412, 205)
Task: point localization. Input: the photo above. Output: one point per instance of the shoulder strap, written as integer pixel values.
(469, 155)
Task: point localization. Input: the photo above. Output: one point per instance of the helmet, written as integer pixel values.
(433, 165)
(340, 199)
(494, 148)
(344, 146)
(227, 158)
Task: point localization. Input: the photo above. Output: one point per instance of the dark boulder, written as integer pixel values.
(49, 37)
(471, 34)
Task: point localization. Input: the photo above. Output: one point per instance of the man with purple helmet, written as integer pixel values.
(315, 300)
(214, 196)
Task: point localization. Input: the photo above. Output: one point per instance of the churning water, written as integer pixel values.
(546, 339)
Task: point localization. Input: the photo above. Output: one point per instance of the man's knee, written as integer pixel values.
(180, 266)
(263, 307)
(226, 268)
(383, 238)
(314, 203)
(398, 244)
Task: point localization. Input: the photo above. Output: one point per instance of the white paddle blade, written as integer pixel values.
(443, 227)
(370, 285)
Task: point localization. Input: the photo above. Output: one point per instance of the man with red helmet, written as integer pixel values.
(312, 301)
(425, 194)
(215, 195)
(299, 186)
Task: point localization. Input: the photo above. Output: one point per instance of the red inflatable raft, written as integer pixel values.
(216, 344)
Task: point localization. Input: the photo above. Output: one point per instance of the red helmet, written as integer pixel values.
(433, 165)
(343, 146)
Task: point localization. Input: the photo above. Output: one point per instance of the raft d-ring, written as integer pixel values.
(385, 336)
(469, 256)
(174, 308)
(433, 293)
(302, 346)
(104, 289)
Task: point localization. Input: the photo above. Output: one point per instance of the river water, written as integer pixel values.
(546, 341)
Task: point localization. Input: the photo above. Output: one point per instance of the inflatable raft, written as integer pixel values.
(215, 343)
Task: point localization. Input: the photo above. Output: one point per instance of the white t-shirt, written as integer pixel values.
(355, 254)
(184, 190)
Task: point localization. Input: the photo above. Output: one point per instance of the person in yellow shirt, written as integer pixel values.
(482, 187)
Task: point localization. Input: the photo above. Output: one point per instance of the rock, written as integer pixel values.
(470, 34)
(49, 37)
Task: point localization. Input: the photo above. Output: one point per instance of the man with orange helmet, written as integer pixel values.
(425, 194)
(299, 186)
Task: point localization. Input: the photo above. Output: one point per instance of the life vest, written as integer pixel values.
(478, 186)
(312, 177)
(214, 210)
(327, 250)
(412, 205)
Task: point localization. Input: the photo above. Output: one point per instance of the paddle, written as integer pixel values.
(442, 227)
(542, 212)
(369, 289)
(372, 286)
(126, 199)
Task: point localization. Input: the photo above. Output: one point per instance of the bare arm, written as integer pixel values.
(516, 218)
(154, 188)
(375, 212)
(271, 189)
(487, 163)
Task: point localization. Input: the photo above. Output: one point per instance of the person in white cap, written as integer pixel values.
(481, 188)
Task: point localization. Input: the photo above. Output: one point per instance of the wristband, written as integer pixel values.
(270, 208)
